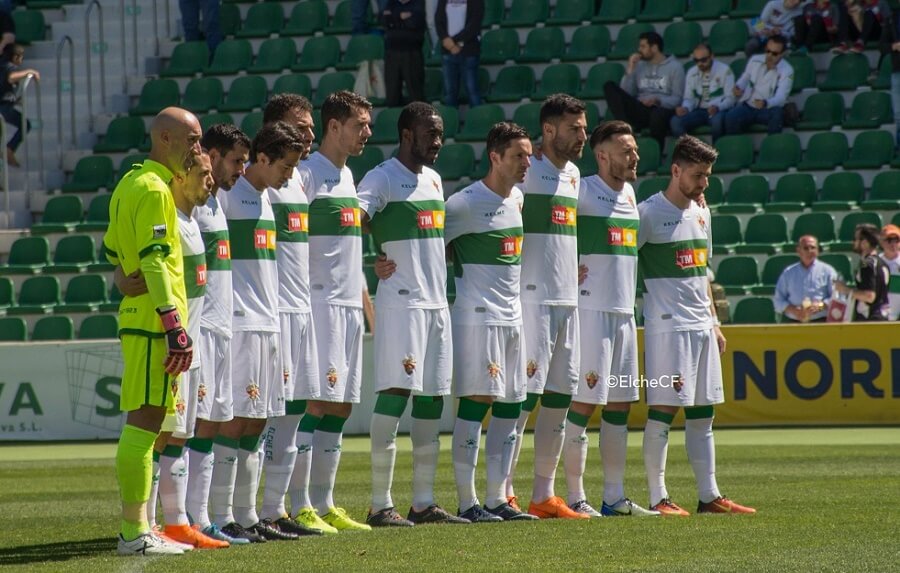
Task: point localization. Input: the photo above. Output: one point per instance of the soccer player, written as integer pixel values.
(403, 203)
(335, 273)
(156, 348)
(682, 339)
(549, 294)
(607, 243)
(484, 231)
(257, 383)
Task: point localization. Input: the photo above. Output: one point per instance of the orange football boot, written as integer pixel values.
(190, 536)
(667, 507)
(723, 505)
(554, 507)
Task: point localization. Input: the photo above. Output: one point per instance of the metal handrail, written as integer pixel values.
(87, 56)
(26, 83)
(65, 40)
(5, 165)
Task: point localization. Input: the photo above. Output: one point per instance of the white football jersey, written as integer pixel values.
(193, 253)
(291, 210)
(218, 304)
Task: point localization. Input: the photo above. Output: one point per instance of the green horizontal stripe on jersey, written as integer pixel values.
(243, 239)
(894, 285)
(407, 221)
(537, 214)
(215, 261)
(282, 222)
(191, 262)
(485, 249)
(594, 235)
(658, 260)
(325, 217)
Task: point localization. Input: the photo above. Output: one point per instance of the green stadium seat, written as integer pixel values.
(251, 123)
(825, 151)
(746, 194)
(526, 13)
(481, 168)
(98, 327)
(84, 293)
(737, 66)
(735, 153)
(307, 18)
(728, 37)
(97, 218)
(229, 19)
(122, 134)
(597, 77)
(231, 57)
(115, 297)
(737, 274)
(869, 110)
(91, 173)
(793, 192)
(871, 150)
(262, 20)
(155, 96)
(371, 157)
(479, 121)
(318, 53)
(188, 59)
(883, 80)
(384, 128)
(484, 85)
(362, 47)
(450, 115)
(707, 9)
(53, 328)
(211, 119)
(848, 227)
(726, 231)
(73, 254)
(617, 12)
(661, 11)
(61, 215)
(513, 83)
(434, 85)
(332, 82)
(592, 114)
(628, 39)
(299, 84)
(754, 310)
(841, 264)
(341, 21)
(38, 295)
(202, 95)
(841, 191)
(572, 12)
(558, 78)
(456, 160)
(30, 26)
(715, 193)
(586, 164)
(13, 329)
(821, 112)
(499, 46)
(819, 225)
(650, 155)
(680, 38)
(246, 94)
(772, 269)
(846, 72)
(778, 152)
(804, 72)
(650, 186)
(128, 164)
(528, 115)
(747, 8)
(493, 13)
(885, 193)
(7, 294)
(543, 45)
(765, 234)
(588, 43)
(275, 55)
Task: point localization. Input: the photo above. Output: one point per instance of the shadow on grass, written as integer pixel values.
(62, 551)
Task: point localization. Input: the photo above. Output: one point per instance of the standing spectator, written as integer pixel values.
(890, 47)
(11, 73)
(762, 90)
(890, 246)
(777, 19)
(359, 12)
(651, 88)
(708, 91)
(860, 22)
(7, 26)
(817, 25)
(870, 297)
(458, 24)
(404, 24)
(190, 20)
(804, 289)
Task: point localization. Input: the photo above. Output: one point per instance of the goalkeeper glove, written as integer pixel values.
(181, 347)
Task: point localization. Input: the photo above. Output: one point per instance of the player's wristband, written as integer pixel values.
(169, 318)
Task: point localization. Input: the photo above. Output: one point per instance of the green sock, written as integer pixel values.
(133, 470)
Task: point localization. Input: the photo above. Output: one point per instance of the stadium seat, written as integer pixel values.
(650, 155)
(73, 254)
(737, 66)
(156, 95)
(97, 218)
(434, 85)
(793, 192)
(13, 329)
(362, 47)
(84, 293)
(737, 274)
(597, 77)
(821, 112)
(362, 164)
(885, 193)
(735, 153)
(229, 19)
(307, 18)
(384, 128)
(772, 270)
(115, 297)
(456, 160)
(27, 255)
(572, 12)
(707, 9)
(715, 193)
(91, 174)
(99, 326)
(493, 13)
(299, 84)
(747, 8)
(330, 83)
(188, 59)
(841, 191)
(7, 294)
(526, 13)
(617, 12)
(499, 46)
(528, 115)
(765, 234)
(211, 119)
(543, 45)
(628, 38)
(869, 110)
(450, 115)
(246, 94)
(871, 150)
(128, 163)
(558, 78)
(728, 37)
(479, 121)
(841, 264)
(726, 231)
(231, 57)
(262, 20)
(883, 80)
(819, 225)
(680, 38)
(251, 123)
(275, 55)
(588, 43)
(513, 83)
(849, 223)
(53, 328)
(825, 151)
(38, 295)
(122, 134)
(746, 194)
(29, 26)
(484, 85)
(661, 11)
(202, 95)
(804, 72)
(318, 53)
(650, 186)
(845, 72)
(342, 20)
(61, 215)
(754, 310)
(778, 152)
(586, 164)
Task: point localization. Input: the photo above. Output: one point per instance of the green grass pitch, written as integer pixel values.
(825, 499)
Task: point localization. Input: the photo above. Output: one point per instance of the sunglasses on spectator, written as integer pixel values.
(892, 240)
(701, 60)
(774, 53)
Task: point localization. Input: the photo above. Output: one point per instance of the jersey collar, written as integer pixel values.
(159, 169)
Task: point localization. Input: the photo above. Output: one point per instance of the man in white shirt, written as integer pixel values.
(708, 91)
(890, 254)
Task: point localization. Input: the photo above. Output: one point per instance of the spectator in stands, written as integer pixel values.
(652, 87)
(860, 23)
(890, 47)
(890, 254)
(708, 91)
(404, 25)
(458, 24)
(11, 73)
(359, 11)
(7, 26)
(190, 20)
(870, 297)
(776, 19)
(804, 288)
(762, 90)
(817, 25)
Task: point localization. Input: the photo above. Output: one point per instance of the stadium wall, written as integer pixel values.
(786, 375)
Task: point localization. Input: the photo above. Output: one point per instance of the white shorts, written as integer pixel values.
(414, 350)
(257, 382)
(489, 361)
(339, 338)
(609, 358)
(298, 355)
(183, 421)
(214, 400)
(683, 368)
(551, 348)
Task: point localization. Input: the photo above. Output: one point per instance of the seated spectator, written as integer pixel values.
(860, 23)
(777, 19)
(817, 25)
(870, 297)
(652, 87)
(404, 23)
(11, 73)
(890, 47)
(804, 289)
(890, 254)
(708, 91)
(458, 25)
(762, 90)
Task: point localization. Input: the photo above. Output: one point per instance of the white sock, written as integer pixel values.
(520, 433)
(326, 456)
(298, 489)
(499, 448)
(549, 434)
(246, 484)
(426, 447)
(221, 491)
(701, 451)
(173, 477)
(656, 447)
(383, 431)
(280, 454)
(574, 460)
(200, 471)
(466, 441)
(613, 450)
(154, 491)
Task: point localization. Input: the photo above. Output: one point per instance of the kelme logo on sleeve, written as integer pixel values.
(298, 222)
(621, 237)
(264, 239)
(689, 258)
(430, 219)
(201, 275)
(223, 249)
(510, 246)
(562, 215)
(350, 217)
